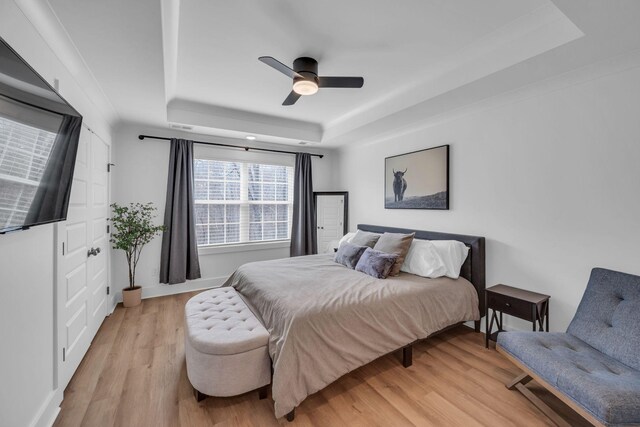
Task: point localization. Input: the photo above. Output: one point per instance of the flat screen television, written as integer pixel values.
(39, 134)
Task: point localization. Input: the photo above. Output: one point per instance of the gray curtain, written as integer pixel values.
(303, 230)
(52, 196)
(179, 259)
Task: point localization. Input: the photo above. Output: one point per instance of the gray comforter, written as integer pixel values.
(326, 320)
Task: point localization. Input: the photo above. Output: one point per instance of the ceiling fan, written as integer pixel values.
(306, 80)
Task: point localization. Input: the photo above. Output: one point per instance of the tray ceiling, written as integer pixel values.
(194, 63)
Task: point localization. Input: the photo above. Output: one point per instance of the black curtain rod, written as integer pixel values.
(218, 144)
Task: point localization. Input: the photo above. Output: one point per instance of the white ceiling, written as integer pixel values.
(391, 46)
(195, 62)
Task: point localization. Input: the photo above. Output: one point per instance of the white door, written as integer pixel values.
(97, 264)
(329, 220)
(82, 276)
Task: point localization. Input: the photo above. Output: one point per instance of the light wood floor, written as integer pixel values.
(134, 375)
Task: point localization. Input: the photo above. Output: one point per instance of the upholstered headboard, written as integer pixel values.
(473, 268)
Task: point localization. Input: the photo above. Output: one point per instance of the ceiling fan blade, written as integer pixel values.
(274, 63)
(344, 82)
(292, 98)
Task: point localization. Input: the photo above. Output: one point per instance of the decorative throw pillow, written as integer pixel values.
(397, 244)
(348, 254)
(364, 238)
(375, 263)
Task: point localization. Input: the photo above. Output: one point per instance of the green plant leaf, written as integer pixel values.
(132, 229)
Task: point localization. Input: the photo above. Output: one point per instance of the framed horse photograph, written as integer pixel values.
(417, 180)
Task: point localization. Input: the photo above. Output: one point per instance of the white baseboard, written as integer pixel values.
(48, 412)
(162, 290)
(113, 302)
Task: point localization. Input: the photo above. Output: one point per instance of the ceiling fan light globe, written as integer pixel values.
(305, 87)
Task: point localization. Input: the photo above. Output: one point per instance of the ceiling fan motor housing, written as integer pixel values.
(306, 66)
(307, 81)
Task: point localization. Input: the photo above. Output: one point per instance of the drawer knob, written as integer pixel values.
(508, 305)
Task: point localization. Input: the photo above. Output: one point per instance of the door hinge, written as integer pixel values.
(108, 289)
(109, 166)
(64, 354)
(108, 229)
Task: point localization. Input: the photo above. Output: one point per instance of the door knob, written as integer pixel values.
(93, 251)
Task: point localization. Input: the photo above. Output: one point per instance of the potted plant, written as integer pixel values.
(132, 229)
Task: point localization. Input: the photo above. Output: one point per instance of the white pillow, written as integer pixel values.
(452, 253)
(346, 238)
(435, 258)
(423, 260)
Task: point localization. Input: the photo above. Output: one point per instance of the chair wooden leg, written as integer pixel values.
(550, 413)
(262, 392)
(407, 356)
(520, 379)
(291, 415)
(198, 395)
(518, 383)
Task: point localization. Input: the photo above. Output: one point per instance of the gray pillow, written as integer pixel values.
(395, 243)
(364, 238)
(348, 254)
(375, 263)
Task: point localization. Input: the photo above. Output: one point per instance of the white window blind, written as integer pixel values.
(24, 152)
(242, 202)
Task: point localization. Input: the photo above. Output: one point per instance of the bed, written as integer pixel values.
(326, 320)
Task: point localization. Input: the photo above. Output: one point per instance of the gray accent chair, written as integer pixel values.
(595, 366)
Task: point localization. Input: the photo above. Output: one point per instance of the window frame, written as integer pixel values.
(249, 158)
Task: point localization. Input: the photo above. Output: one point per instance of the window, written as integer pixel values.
(241, 202)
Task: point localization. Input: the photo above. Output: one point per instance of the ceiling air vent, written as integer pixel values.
(181, 127)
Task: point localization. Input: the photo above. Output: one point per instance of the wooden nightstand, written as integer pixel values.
(520, 303)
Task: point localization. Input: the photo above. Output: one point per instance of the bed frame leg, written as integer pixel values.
(476, 325)
(262, 392)
(198, 395)
(291, 415)
(407, 355)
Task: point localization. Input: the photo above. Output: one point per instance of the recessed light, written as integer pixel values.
(250, 137)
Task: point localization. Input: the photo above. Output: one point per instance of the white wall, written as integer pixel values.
(549, 175)
(28, 393)
(140, 175)
(26, 325)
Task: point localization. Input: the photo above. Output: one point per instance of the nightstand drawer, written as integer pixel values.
(508, 305)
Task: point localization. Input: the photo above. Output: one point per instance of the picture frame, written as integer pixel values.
(418, 179)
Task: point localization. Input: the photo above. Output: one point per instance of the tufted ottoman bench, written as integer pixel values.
(225, 345)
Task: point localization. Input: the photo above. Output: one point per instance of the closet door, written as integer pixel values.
(330, 219)
(83, 257)
(97, 264)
